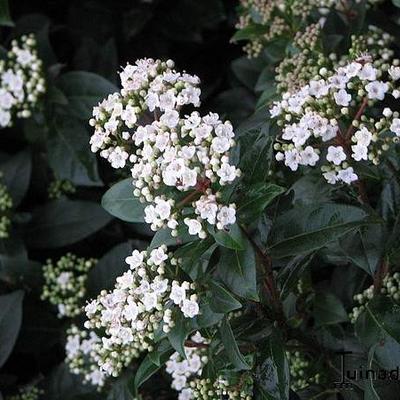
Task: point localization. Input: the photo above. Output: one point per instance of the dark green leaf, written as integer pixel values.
(383, 316)
(237, 270)
(272, 376)
(256, 199)
(83, 91)
(147, 369)
(250, 31)
(396, 3)
(179, 333)
(328, 309)
(69, 153)
(109, 267)
(5, 18)
(10, 322)
(163, 236)
(231, 238)
(308, 228)
(63, 222)
(16, 174)
(120, 202)
(221, 300)
(231, 347)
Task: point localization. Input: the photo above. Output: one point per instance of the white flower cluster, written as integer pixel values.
(80, 349)
(182, 370)
(178, 164)
(65, 283)
(143, 299)
(332, 120)
(21, 81)
(390, 288)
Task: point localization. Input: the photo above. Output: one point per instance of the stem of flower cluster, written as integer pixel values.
(358, 115)
(379, 275)
(269, 281)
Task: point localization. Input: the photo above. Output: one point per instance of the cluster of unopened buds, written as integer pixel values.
(221, 388)
(301, 370)
(178, 163)
(310, 61)
(332, 121)
(80, 349)
(390, 287)
(143, 299)
(6, 204)
(269, 19)
(21, 81)
(27, 393)
(59, 188)
(65, 283)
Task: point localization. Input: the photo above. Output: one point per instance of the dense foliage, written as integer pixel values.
(183, 218)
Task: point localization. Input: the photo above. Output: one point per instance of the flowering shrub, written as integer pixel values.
(208, 234)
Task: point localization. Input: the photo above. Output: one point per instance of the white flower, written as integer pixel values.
(227, 173)
(179, 382)
(331, 177)
(186, 394)
(347, 175)
(319, 88)
(135, 259)
(118, 157)
(292, 159)
(395, 126)
(309, 156)
(131, 310)
(377, 89)
(163, 208)
(207, 208)
(226, 216)
(178, 293)
(220, 144)
(394, 72)
(159, 286)
(158, 256)
(129, 116)
(167, 101)
(363, 136)
(336, 154)
(170, 118)
(190, 308)
(329, 133)
(360, 152)
(194, 226)
(368, 72)
(342, 98)
(149, 301)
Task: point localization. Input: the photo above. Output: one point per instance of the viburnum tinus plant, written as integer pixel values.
(169, 248)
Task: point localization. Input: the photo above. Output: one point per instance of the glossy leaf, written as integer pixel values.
(221, 300)
(231, 347)
(83, 91)
(63, 222)
(10, 322)
(120, 202)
